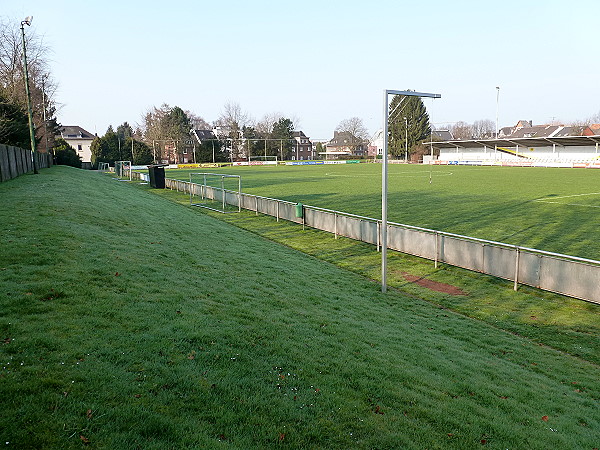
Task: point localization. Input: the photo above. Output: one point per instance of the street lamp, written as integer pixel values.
(27, 22)
(44, 78)
(384, 176)
(497, 104)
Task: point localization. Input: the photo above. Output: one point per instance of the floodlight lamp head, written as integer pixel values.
(27, 21)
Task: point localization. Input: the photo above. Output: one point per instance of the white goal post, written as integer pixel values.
(268, 159)
(123, 169)
(213, 190)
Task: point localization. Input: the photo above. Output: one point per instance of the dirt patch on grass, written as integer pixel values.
(433, 285)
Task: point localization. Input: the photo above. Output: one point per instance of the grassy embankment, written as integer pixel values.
(130, 321)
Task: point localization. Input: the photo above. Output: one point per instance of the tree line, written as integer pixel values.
(14, 121)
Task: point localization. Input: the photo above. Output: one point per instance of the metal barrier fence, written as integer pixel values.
(554, 272)
(16, 161)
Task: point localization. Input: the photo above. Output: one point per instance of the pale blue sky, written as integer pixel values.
(319, 61)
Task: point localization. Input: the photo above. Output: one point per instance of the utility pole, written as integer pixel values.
(27, 22)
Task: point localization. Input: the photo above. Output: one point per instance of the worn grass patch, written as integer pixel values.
(127, 320)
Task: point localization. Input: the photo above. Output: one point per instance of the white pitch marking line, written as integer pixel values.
(547, 200)
(568, 196)
(425, 174)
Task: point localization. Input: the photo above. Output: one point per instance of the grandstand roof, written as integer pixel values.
(563, 141)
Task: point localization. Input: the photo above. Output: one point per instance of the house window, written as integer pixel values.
(79, 147)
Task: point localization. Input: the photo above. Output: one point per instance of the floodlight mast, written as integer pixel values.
(27, 22)
(384, 176)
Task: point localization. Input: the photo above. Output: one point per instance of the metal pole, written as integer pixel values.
(44, 111)
(497, 104)
(27, 22)
(384, 178)
(516, 286)
(384, 192)
(406, 139)
(223, 191)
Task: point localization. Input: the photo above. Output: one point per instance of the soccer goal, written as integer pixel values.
(262, 160)
(123, 169)
(216, 191)
(103, 167)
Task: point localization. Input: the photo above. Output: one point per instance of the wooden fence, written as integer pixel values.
(15, 161)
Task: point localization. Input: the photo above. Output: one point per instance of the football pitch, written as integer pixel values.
(549, 209)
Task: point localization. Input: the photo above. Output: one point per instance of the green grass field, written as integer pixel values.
(549, 209)
(128, 320)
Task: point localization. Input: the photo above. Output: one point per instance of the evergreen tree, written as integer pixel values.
(65, 154)
(283, 130)
(14, 124)
(417, 118)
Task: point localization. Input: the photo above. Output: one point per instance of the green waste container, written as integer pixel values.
(299, 210)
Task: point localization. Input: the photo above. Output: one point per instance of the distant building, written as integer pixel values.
(303, 148)
(81, 141)
(524, 129)
(203, 135)
(591, 130)
(442, 135)
(375, 147)
(345, 144)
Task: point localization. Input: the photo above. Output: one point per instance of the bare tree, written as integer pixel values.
(231, 123)
(233, 119)
(483, 129)
(264, 127)
(462, 130)
(354, 132)
(355, 127)
(198, 123)
(42, 85)
(595, 118)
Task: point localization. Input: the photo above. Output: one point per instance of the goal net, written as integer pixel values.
(123, 169)
(262, 160)
(216, 191)
(103, 167)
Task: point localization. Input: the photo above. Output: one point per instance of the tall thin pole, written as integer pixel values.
(27, 22)
(384, 192)
(406, 139)
(384, 177)
(497, 105)
(44, 111)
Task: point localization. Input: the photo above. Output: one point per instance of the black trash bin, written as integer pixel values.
(157, 175)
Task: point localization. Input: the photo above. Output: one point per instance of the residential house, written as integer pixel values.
(343, 144)
(303, 148)
(538, 131)
(591, 130)
(375, 148)
(81, 141)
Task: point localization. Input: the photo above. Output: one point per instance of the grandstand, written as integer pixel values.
(558, 151)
